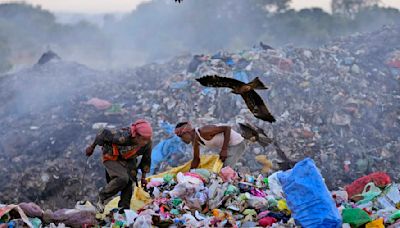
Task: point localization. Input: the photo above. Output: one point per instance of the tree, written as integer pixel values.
(349, 8)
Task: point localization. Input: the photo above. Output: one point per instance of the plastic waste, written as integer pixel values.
(176, 201)
(394, 217)
(36, 222)
(369, 193)
(375, 224)
(231, 190)
(143, 221)
(308, 197)
(275, 185)
(340, 197)
(130, 216)
(380, 179)
(267, 221)
(355, 217)
(249, 215)
(203, 172)
(257, 202)
(228, 174)
(282, 206)
(99, 103)
(168, 177)
(181, 178)
(390, 199)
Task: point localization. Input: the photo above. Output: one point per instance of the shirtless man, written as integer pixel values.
(230, 143)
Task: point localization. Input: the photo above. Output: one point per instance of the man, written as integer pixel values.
(120, 150)
(230, 143)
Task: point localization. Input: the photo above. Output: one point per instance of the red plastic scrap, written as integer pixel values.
(267, 221)
(395, 63)
(380, 179)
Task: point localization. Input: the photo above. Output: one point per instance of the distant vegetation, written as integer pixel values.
(161, 29)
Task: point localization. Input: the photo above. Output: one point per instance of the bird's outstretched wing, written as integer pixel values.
(256, 105)
(247, 131)
(217, 81)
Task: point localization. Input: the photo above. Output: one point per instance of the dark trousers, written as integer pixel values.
(119, 180)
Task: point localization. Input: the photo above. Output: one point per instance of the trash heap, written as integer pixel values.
(337, 104)
(201, 198)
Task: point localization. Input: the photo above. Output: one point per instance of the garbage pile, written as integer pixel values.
(201, 198)
(337, 104)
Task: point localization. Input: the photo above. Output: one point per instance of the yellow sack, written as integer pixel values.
(209, 162)
(375, 224)
(282, 206)
(141, 197)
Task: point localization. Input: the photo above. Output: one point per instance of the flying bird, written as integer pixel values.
(265, 46)
(179, 1)
(253, 101)
(256, 134)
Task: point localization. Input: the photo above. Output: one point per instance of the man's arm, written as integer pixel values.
(145, 163)
(208, 132)
(196, 153)
(104, 136)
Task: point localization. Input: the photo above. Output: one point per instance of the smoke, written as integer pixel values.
(159, 30)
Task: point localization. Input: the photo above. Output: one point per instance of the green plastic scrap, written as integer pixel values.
(202, 172)
(370, 193)
(115, 108)
(244, 196)
(36, 223)
(231, 190)
(175, 212)
(176, 201)
(272, 202)
(249, 212)
(168, 177)
(394, 217)
(266, 181)
(355, 217)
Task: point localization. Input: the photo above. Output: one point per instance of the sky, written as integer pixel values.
(121, 6)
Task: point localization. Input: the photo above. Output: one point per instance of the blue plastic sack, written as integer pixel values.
(308, 197)
(164, 150)
(167, 128)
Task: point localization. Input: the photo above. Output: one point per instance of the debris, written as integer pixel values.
(323, 109)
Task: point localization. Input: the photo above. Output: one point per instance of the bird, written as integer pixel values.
(179, 1)
(265, 46)
(253, 101)
(256, 134)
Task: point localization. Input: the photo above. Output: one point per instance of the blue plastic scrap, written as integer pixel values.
(308, 197)
(165, 149)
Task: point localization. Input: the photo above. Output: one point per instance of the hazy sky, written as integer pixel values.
(109, 6)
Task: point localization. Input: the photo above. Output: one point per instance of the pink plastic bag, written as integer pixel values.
(99, 103)
(228, 174)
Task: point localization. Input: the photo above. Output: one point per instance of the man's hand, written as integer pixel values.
(143, 182)
(195, 163)
(89, 150)
(223, 155)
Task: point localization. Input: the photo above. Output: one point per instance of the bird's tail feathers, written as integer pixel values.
(257, 84)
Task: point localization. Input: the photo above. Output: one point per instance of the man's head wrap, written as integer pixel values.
(179, 131)
(141, 127)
